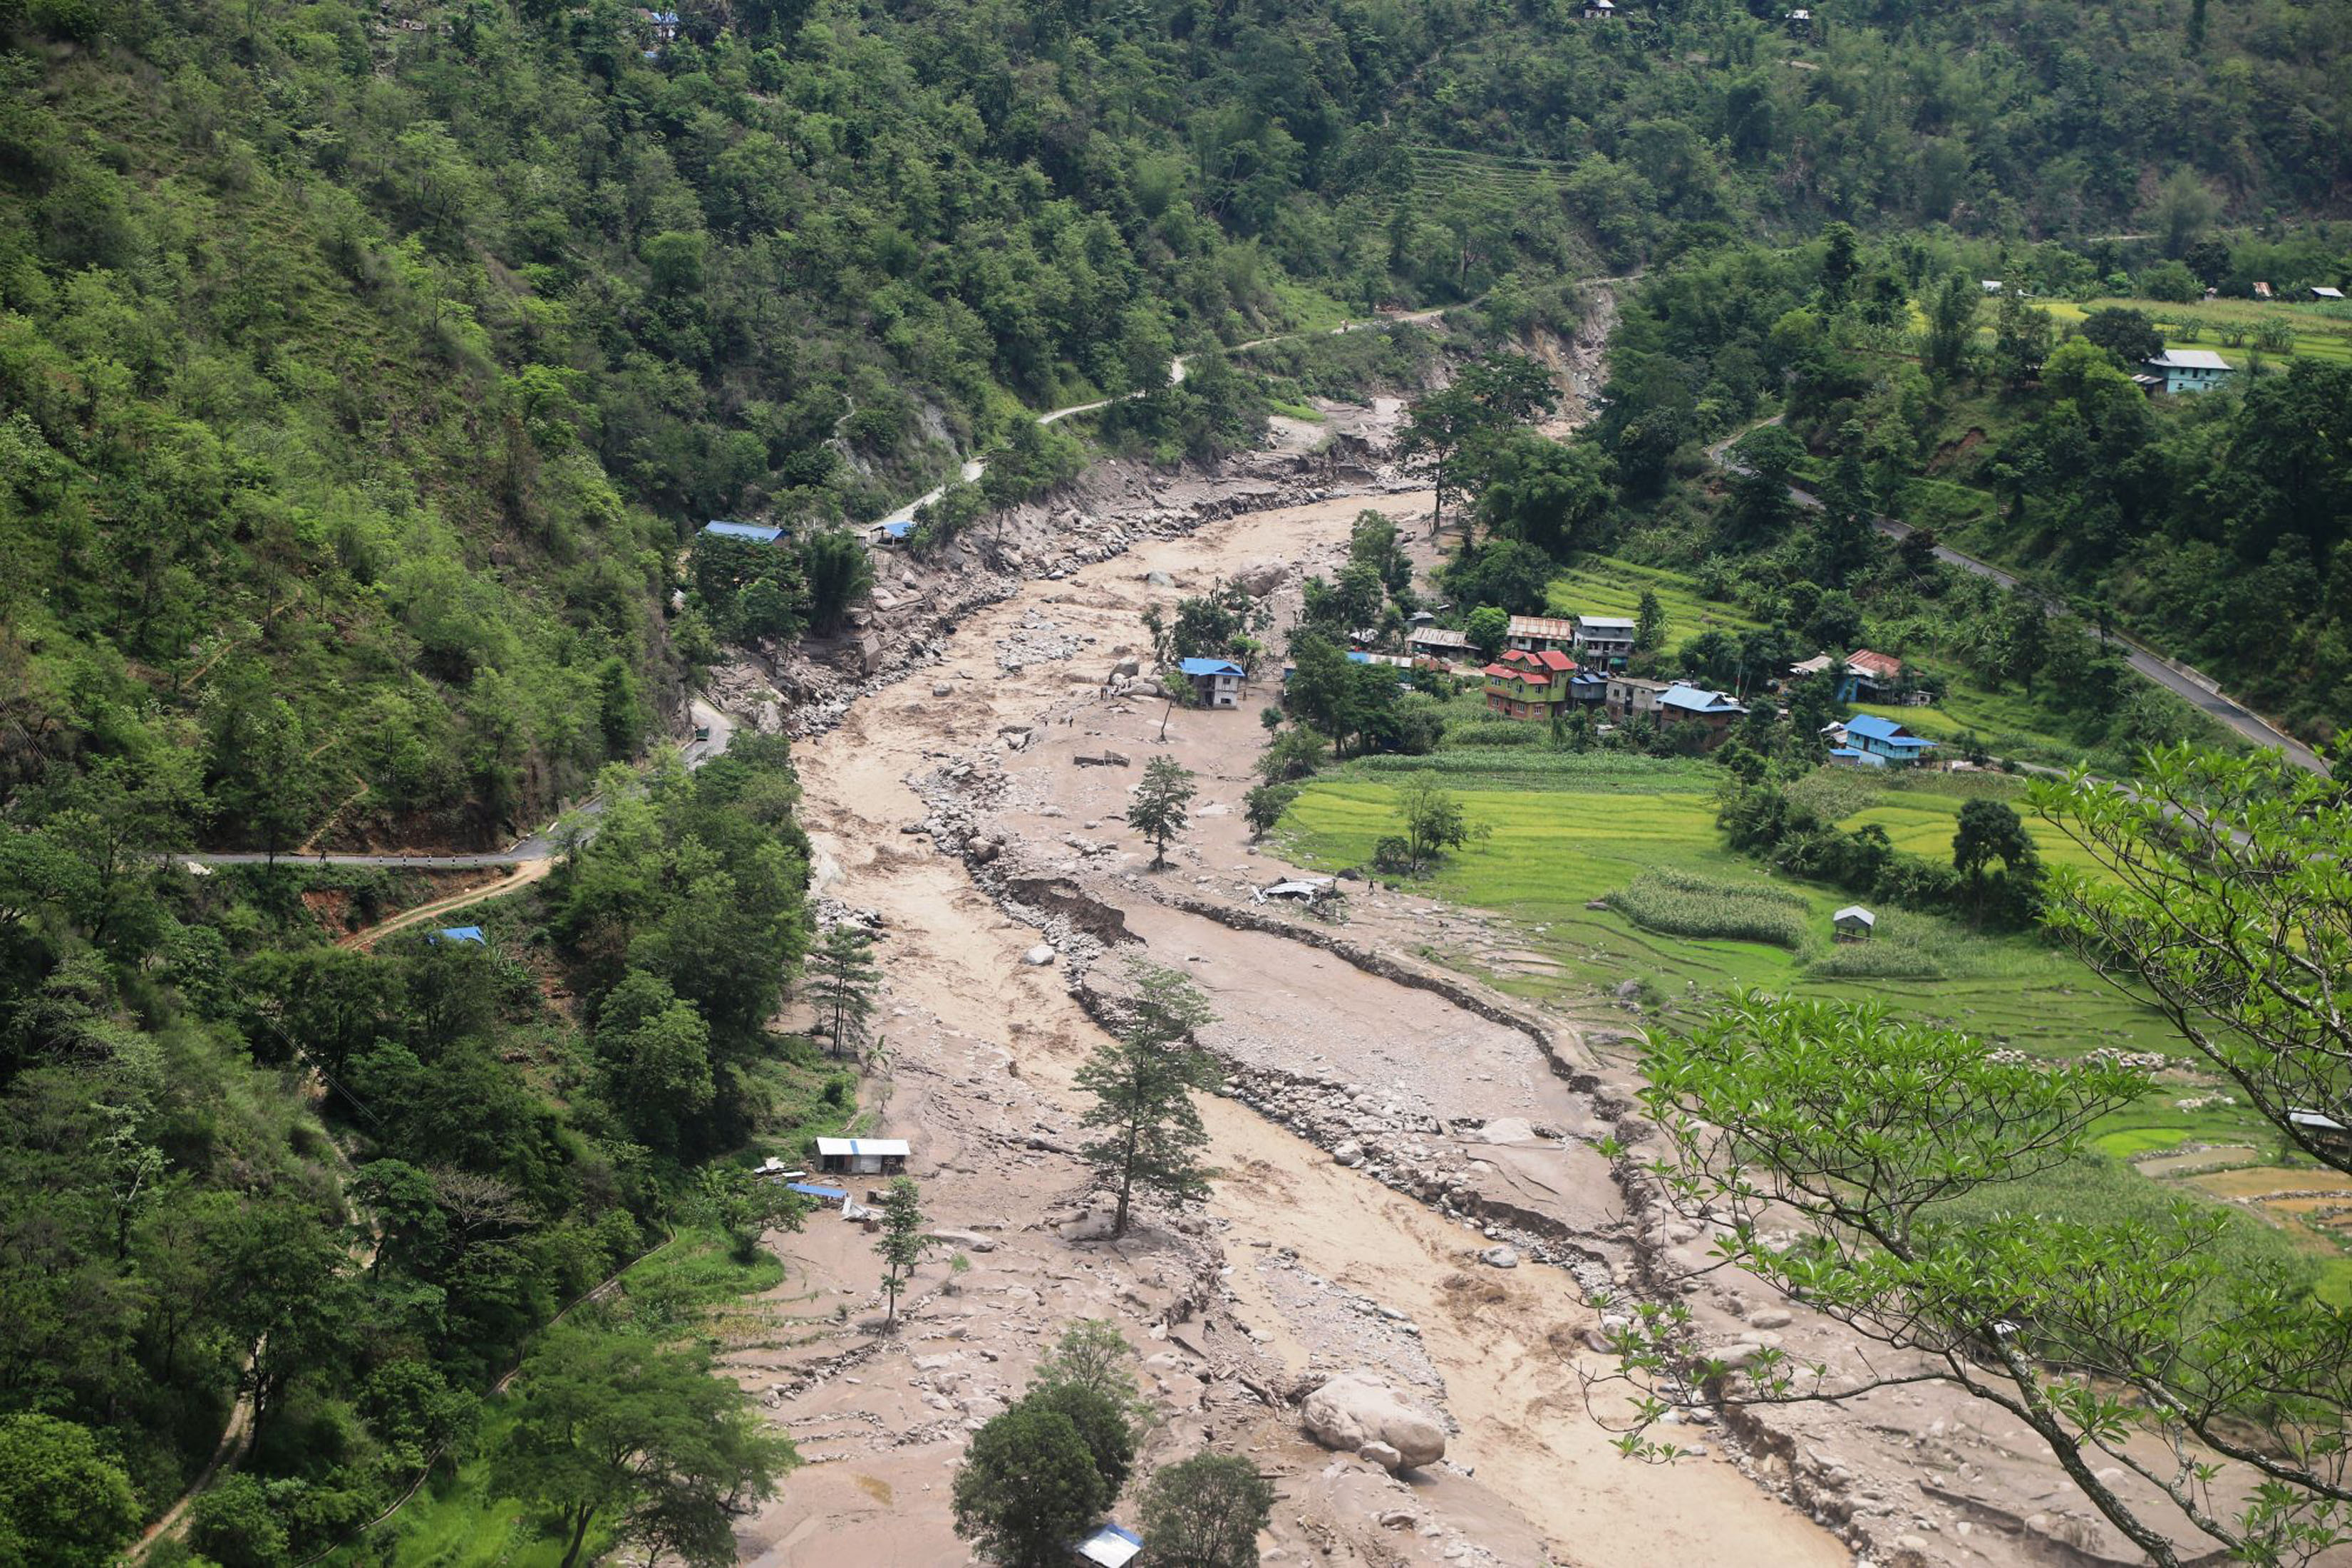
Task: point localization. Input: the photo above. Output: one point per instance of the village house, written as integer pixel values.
(1533, 634)
(1862, 676)
(1602, 642)
(1216, 682)
(1630, 696)
(862, 1156)
(1438, 643)
(2189, 370)
(1598, 10)
(750, 532)
(1882, 738)
(1853, 923)
(1682, 703)
(1523, 684)
(1800, 24)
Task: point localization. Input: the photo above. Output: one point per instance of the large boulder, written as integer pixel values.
(1357, 1410)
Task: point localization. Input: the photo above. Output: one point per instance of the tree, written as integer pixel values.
(1549, 494)
(1951, 326)
(1100, 1416)
(1434, 821)
(1091, 1353)
(840, 983)
(1161, 804)
(1486, 628)
(1142, 1081)
(64, 1501)
(1264, 805)
(1991, 830)
(2185, 207)
(233, 1524)
(1206, 1512)
(2143, 1340)
(1449, 429)
(1027, 1487)
(656, 1053)
(611, 1423)
(2021, 341)
(839, 573)
(901, 1242)
(2128, 335)
(1649, 623)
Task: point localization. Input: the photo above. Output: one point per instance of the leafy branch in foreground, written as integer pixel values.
(2143, 1343)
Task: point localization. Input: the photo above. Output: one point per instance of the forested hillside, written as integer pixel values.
(368, 365)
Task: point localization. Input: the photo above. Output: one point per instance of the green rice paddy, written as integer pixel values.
(2321, 331)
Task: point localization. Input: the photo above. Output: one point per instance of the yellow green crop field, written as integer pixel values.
(2317, 335)
(1604, 585)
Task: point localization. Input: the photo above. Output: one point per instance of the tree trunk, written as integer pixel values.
(579, 1536)
(1126, 1182)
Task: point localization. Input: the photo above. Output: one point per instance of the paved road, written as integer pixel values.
(2146, 660)
(540, 846)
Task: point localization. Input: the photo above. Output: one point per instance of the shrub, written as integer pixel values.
(1677, 903)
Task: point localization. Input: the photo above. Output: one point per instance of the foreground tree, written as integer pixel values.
(839, 574)
(1161, 805)
(1142, 1079)
(901, 1242)
(2146, 1341)
(64, 1501)
(1991, 830)
(610, 1423)
(840, 983)
(1206, 1512)
(1027, 1487)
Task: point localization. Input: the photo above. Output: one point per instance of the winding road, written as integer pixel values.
(2199, 691)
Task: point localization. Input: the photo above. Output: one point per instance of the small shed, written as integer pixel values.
(2322, 291)
(1111, 1546)
(2322, 1129)
(862, 1156)
(2261, 290)
(460, 934)
(1854, 923)
(1990, 285)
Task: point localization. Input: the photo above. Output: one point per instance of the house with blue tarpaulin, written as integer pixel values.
(1112, 1546)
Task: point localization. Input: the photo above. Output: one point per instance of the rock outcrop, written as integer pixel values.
(1359, 1413)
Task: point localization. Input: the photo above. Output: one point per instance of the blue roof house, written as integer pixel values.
(1216, 682)
(1885, 738)
(750, 532)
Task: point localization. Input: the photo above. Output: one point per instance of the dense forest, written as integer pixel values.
(2214, 525)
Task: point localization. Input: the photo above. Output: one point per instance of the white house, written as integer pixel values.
(1216, 682)
(1603, 640)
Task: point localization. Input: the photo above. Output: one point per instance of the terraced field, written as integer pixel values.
(2321, 331)
(1565, 830)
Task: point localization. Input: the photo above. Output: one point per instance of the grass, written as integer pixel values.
(1568, 829)
(2317, 334)
(1604, 585)
(1682, 903)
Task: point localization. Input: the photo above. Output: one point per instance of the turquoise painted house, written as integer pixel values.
(2191, 370)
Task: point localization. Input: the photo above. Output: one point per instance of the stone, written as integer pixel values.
(1038, 956)
(1507, 1130)
(1770, 1317)
(942, 688)
(1499, 1257)
(1349, 1154)
(1395, 1518)
(1737, 1354)
(1356, 1408)
(968, 1240)
(1159, 580)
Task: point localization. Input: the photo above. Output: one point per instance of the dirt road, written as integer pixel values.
(977, 1036)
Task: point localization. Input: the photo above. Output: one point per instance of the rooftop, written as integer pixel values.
(883, 1147)
(1698, 699)
(1854, 913)
(1197, 667)
(1542, 626)
(1111, 1547)
(1870, 727)
(1612, 624)
(461, 933)
(2191, 358)
(757, 533)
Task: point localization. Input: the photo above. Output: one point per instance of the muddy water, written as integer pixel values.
(1503, 1342)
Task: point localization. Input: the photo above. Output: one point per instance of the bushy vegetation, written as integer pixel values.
(1682, 903)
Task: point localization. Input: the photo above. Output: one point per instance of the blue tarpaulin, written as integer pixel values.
(461, 933)
(809, 1190)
